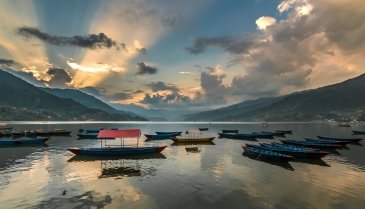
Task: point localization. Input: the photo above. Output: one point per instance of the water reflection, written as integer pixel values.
(318, 162)
(90, 199)
(282, 164)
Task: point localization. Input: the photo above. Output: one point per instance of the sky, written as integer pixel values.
(179, 54)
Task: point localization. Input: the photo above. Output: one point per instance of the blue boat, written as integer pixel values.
(235, 131)
(298, 153)
(178, 133)
(89, 133)
(237, 136)
(294, 147)
(113, 150)
(311, 144)
(358, 132)
(265, 153)
(284, 131)
(340, 139)
(259, 134)
(275, 133)
(325, 141)
(22, 141)
(159, 136)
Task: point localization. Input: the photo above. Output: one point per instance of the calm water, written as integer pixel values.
(218, 176)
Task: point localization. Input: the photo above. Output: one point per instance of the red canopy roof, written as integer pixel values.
(128, 133)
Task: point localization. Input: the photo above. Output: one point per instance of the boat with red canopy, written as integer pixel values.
(122, 149)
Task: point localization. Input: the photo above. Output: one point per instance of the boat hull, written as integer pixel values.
(106, 151)
(340, 139)
(190, 140)
(177, 133)
(266, 154)
(297, 153)
(233, 131)
(22, 141)
(358, 132)
(159, 136)
(311, 145)
(237, 136)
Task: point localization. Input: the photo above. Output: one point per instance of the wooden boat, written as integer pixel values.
(259, 134)
(23, 141)
(189, 139)
(237, 136)
(169, 132)
(278, 134)
(294, 147)
(112, 150)
(203, 129)
(358, 132)
(159, 136)
(235, 131)
(55, 132)
(325, 141)
(340, 139)
(344, 125)
(265, 153)
(298, 153)
(116, 150)
(284, 131)
(311, 144)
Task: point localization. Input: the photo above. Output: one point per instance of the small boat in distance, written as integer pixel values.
(234, 131)
(88, 133)
(203, 129)
(159, 136)
(259, 134)
(54, 132)
(295, 152)
(169, 132)
(265, 153)
(325, 141)
(284, 131)
(115, 150)
(340, 139)
(22, 141)
(344, 124)
(358, 132)
(237, 136)
(275, 133)
(190, 139)
(311, 144)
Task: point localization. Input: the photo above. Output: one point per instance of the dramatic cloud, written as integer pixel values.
(6, 62)
(294, 53)
(27, 76)
(168, 100)
(119, 96)
(264, 22)
(58, 77)
(235, 45)
(145, 69)
(91, 41)
(161, 86)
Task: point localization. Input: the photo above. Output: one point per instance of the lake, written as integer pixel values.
(216, 176)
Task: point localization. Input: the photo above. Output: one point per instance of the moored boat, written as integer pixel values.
(169, 132)
(112, 150)
(265, 153)
(203, 129)
(55, 132)
(311, 144)
(190, 139)
(235, 131)
(325, 141)
(278, 134)
(284, 131)
(159, 136)
(298, 153)
(23, 141)
(237, 136)
(259, 134)
(340, 139)
(294, 147)
(358, 132)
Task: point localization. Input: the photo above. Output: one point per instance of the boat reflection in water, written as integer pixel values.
(282, 164)
(120, 166)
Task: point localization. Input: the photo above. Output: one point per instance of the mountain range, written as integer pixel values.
(22, 101)
(342, 101)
